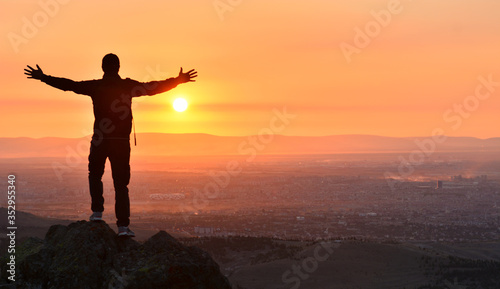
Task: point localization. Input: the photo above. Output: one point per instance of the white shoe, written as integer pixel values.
(125, 231)
(96, 216)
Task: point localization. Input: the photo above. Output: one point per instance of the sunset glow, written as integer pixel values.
(250, 144)
(384, 67)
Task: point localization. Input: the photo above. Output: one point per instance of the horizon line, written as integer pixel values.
(239, 136)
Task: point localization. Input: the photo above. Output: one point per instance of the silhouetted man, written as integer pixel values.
(112, 100)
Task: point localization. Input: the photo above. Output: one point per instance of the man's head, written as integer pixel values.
(110, 64)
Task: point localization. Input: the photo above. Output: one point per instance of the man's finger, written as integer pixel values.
(31, 67)
(27, 70)
(180, 71)
(38, 67)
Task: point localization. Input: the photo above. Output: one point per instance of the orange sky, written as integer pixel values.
(256, 56)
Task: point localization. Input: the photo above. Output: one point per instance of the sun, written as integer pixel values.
(180, 104)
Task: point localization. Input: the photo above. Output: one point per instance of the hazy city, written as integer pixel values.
(291, 197)
(448, 202)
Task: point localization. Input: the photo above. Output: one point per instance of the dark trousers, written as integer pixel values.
(118, 152)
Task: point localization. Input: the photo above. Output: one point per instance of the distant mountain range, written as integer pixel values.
(159, 144)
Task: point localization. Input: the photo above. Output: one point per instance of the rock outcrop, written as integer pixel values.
(89, 255)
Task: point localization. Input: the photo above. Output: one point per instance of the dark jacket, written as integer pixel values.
(112, 100)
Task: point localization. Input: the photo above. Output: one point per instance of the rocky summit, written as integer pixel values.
(90, 255)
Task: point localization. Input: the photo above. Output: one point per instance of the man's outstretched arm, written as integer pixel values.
(156, 87)
(57, 82)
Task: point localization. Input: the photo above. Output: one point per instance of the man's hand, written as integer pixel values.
(35, 73)
(188, 76)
